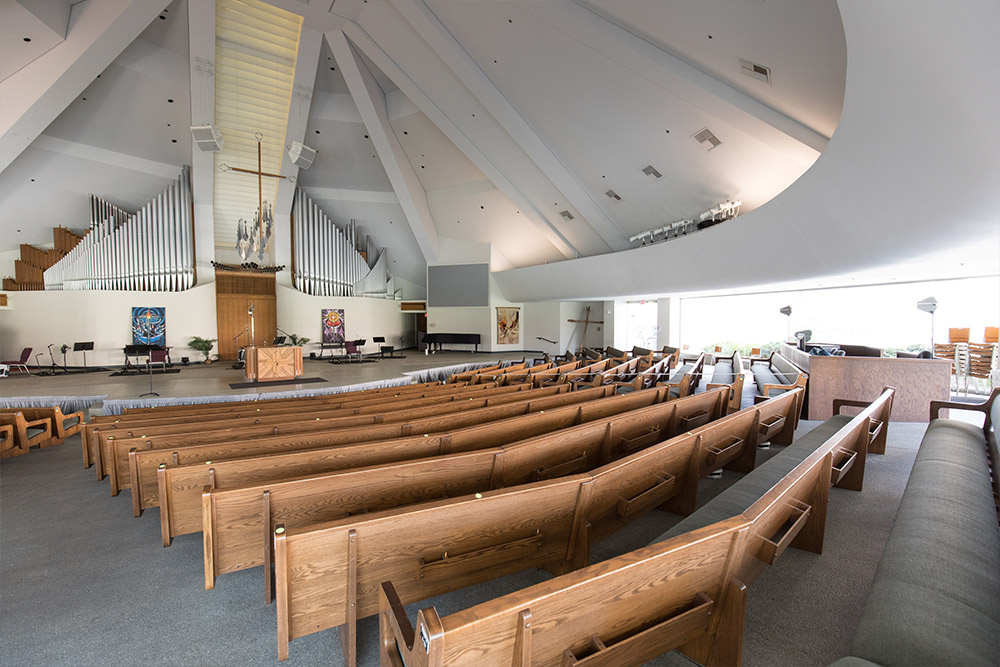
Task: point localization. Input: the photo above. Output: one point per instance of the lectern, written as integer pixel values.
(270, 364)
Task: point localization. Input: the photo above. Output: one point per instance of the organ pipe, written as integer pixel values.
(335, 261)
(150, 250)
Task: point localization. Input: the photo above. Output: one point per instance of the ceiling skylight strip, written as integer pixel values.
(255, 50)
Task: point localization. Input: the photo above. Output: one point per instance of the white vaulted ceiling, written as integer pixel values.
(485, 121)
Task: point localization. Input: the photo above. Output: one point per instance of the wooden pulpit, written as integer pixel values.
(269, 364)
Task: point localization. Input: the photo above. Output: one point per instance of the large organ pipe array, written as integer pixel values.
(329, 261)
(152, 250)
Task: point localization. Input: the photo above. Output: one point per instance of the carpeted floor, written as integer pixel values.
(82, 582)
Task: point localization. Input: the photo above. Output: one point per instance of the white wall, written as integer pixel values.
(668, 318)
(474, 319)
(570, 333)
(36, 319)
(7, 263)
(542, 319)
(300, 314)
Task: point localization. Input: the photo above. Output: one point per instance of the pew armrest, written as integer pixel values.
(984, 407)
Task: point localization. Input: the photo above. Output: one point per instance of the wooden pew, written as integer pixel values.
(27, 432)
(615, 374)
(96, 433)
(257, 402)
(467, 376)
(235, 520)
(216, 411)
(182, 435)
(648, 377)
(180, 414)
(656, 598)
(556, 374)
(8, 448)
(687, 592)
(63, 425)
(775, 374)
(728, 372)
(544, 369)
(498, 375)
(495, 532)
(143, 464)
(115, 450)
(686, 378)
(180, 487)
(584, 376)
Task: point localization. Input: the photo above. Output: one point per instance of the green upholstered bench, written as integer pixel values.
(936, 595)
(686, 378)
(775, 375)
(728, 372)
(741, 495)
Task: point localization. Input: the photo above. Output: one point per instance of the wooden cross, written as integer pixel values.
(586, 322)
(260, 190)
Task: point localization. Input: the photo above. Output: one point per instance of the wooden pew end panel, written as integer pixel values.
(399, 645)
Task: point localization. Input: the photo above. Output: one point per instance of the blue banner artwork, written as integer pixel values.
(149, 326)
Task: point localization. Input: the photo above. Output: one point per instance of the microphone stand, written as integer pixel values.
(149, 368)
(241, 358)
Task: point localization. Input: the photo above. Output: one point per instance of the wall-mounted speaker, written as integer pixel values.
(301, 155)
(207, 137)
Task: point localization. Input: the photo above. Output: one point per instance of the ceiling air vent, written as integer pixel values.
(756, 71)
(613, 195)
(650, 171)
(707, 140)
(566, 214)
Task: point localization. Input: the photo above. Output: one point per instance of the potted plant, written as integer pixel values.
(203, 345)
(295, 341)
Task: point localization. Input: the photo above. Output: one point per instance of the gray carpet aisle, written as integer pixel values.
(82, 582)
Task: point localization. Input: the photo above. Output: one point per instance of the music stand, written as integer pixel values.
(83, 347)
(136, 350)
(279, 340)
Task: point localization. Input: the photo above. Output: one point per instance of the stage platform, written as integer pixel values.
(214, 379)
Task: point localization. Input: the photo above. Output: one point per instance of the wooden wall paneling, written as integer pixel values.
(917, 383)
(234, 293)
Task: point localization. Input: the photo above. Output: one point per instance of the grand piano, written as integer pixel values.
(435, 340)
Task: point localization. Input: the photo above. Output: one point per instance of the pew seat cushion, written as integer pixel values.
(677, 376)
(723, 372)
(744, 493)
(936, 595)
(763, 375)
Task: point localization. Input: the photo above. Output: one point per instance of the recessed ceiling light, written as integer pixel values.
(566, 214)
(613, 195)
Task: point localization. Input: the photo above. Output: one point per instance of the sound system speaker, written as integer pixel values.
(207, 137)
(301, 155)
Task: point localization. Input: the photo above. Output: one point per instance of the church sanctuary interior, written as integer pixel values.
(424, 333)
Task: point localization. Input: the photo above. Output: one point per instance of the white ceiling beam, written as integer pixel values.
(201, 61)
(585, 22)
(426, 23)
(35, 95)
(104, 156)
(306, 62)
(467, 134)
(370, 101)
(343, 194)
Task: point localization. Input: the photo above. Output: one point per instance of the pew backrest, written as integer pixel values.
(686, 592)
